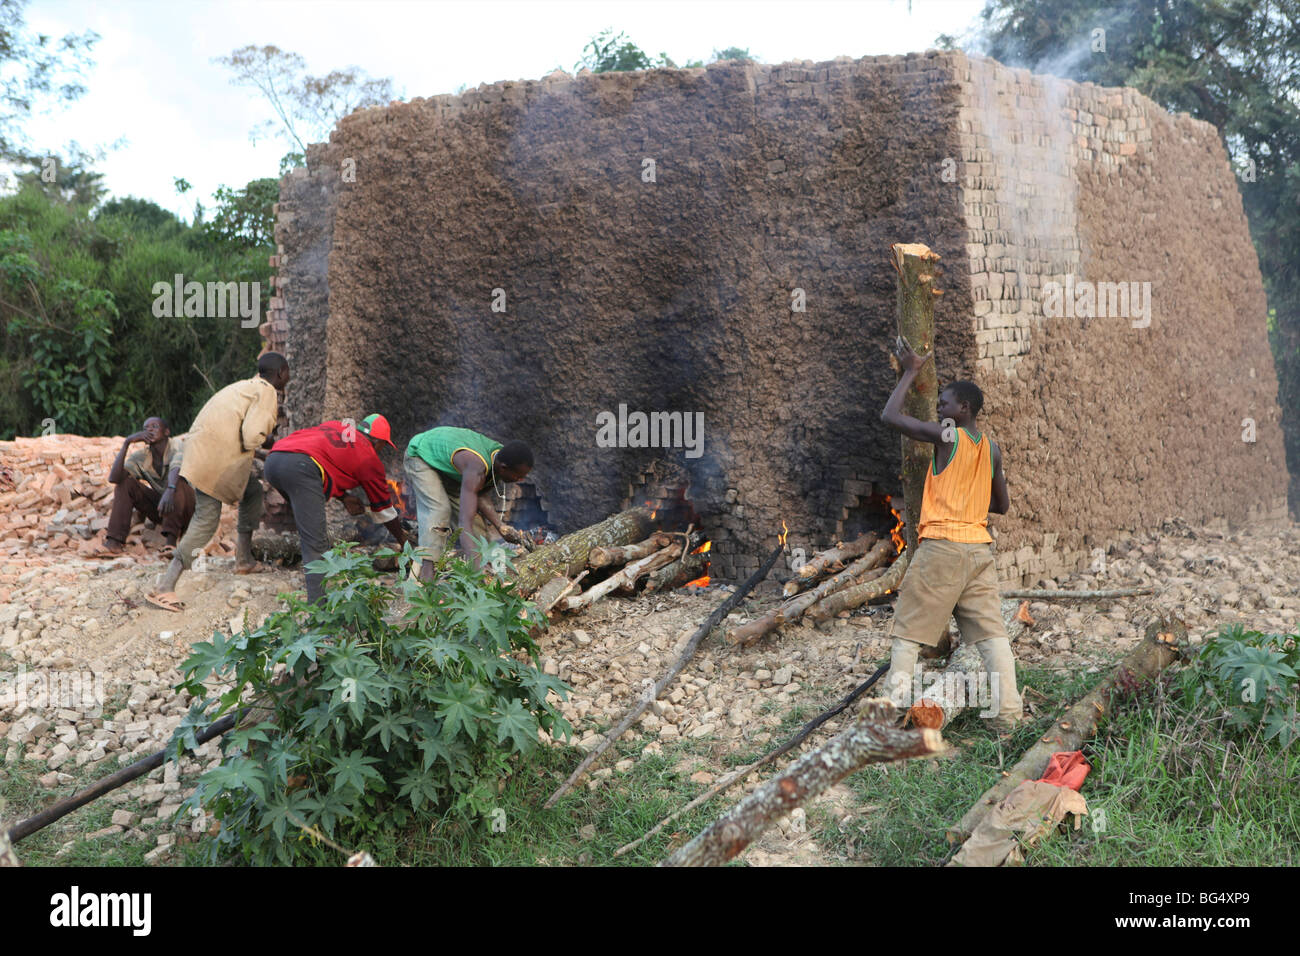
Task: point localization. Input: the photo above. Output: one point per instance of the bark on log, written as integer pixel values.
(1054, 595)
(792, 610)
(743, 772)
(569, 555)
(871, 739)
(828, 562)
(624, 578)
(627, 553)
(856, 595)
(1158, 649)
(719, 613)
(914, 263)
(956, 689)
(678, 573)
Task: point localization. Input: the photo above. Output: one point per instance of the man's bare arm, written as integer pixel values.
(999, 501)
(893, 414)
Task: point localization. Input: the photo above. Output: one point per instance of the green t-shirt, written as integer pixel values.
(436, 447)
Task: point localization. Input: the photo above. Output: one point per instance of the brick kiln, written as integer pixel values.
(530, 256)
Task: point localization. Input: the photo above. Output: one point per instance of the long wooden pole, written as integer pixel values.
(914, 263)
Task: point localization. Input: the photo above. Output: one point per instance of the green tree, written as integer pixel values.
(1233, 63)
(608, 52)
(731, 53)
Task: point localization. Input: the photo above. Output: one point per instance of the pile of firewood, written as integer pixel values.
(625, 554)
(839, 579)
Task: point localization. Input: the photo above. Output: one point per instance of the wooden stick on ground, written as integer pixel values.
(1052, 595)
(858, 594)
(871, 739)
(1158, 649)
(827, 562)
(623, 578)
(743, 772)
(719, 613)
(793, 609)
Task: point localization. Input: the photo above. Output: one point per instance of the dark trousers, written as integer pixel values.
(296, 477)
(132, 495)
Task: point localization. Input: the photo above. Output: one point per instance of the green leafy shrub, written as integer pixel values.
(1251, 677)
(363, 718)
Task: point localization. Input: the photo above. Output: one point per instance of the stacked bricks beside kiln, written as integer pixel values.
(675, 292)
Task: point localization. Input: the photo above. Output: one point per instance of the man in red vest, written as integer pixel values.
(326, 461)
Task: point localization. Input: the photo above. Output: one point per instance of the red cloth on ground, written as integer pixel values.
(1066, 769)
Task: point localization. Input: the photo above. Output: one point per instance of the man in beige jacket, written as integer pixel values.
(218, 464)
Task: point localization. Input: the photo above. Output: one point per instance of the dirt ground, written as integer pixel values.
(87, 616)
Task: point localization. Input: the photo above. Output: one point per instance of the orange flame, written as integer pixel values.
(704, 548)
(785, 530)
(895, 533)
(698, 583)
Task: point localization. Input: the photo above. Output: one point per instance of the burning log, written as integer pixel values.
(871, 739)
(955, 689)
(680, 572)
(914, 263)
(828, 562)
(570, 554)
(855, 596)
(626, 553)
(1159, 649)
(625, 578)
(792, 610)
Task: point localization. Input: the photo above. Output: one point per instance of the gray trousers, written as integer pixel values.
(207, 515)
(297, 477)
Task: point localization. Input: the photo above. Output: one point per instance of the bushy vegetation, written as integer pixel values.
(80, 347)
(365, 718)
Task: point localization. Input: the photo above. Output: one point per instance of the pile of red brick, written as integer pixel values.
(55, 500)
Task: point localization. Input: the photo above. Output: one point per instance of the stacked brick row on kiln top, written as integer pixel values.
(654, 235)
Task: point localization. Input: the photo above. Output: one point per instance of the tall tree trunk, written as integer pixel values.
(914, 263)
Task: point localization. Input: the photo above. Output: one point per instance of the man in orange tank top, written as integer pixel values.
(952, 571)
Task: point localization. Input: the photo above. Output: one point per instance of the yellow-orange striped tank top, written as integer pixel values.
(955, 506)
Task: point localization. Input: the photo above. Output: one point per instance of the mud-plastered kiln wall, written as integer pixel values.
(650, 232)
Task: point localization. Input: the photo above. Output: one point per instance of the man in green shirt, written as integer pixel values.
(445, 462)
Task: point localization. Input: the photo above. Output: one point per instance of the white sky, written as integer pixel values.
(155, 86)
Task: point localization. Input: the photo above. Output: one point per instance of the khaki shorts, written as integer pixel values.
(949, 578)
(435, 513)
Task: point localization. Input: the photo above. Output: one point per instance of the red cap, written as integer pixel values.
(376, 426)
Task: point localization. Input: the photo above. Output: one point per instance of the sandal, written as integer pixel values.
(106, 553)
(166, 602)
(251, 569)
